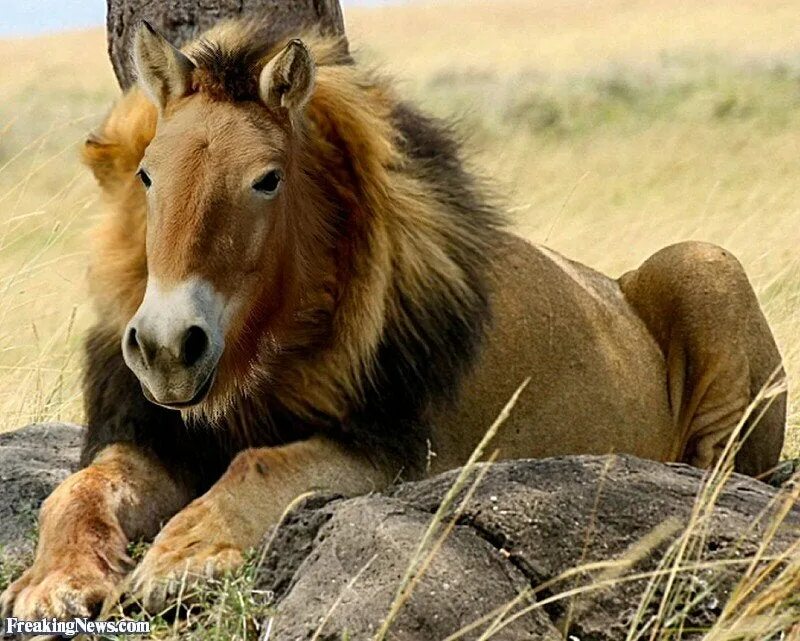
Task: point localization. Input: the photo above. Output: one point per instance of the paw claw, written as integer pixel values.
(156, 597)
(162, 576)
(5, 605)
(187, 552)
(9, 596)
(63, 593)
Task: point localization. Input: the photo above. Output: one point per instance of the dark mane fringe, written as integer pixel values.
(230, 58)
(416, 370)
(228, 74)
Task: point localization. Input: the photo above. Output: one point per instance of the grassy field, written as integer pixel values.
(613, 128)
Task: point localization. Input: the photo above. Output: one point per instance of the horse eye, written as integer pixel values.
(145, 178)
(269, 183)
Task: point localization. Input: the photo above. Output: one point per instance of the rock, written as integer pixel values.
(358, 550)
(334, 565)
(33, 461)
(528, 523)
(785, 472)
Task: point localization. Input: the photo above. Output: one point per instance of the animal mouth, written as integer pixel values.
(199, 396)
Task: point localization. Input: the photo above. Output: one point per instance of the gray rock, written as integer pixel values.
(785, 472)
(335, 564)
(33, 461)
(336, 569)
(527, 523)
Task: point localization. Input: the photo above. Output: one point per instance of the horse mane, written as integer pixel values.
(230, 56)
(414, 238)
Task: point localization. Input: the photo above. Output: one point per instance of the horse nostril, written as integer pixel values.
(133, 342)
(137, 344)
(195, 345)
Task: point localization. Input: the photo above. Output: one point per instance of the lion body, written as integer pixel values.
(599, 378)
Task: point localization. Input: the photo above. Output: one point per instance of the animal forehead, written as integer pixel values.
(234, 133)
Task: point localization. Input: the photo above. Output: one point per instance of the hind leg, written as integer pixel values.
(698, 304)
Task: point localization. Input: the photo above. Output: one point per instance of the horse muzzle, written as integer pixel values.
(174, 342)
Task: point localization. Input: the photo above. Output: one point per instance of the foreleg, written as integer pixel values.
(84, 530)
(209, 536)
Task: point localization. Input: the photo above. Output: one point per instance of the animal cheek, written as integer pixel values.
(255, 243)
(253, 256)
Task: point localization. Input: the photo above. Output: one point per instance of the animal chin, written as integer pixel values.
(200, 395)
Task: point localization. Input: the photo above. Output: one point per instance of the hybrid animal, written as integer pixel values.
(300, 286)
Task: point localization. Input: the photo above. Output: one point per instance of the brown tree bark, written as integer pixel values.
(182, 20)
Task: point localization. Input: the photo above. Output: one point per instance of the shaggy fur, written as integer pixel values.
(407, 239)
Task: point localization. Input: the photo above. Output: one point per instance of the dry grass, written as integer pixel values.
(763, 604)
(52, 91)
(569, 36)
(615, 128)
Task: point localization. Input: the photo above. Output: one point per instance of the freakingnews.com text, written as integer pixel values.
(73, 627)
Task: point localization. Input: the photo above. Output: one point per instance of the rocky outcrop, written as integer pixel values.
(334, 565)
(32, 462)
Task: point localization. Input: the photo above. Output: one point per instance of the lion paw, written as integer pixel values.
(65, 592)
(189, 551)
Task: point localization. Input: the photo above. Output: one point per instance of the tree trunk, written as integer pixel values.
(182, 20)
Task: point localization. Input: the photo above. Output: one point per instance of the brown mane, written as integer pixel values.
(392, 268)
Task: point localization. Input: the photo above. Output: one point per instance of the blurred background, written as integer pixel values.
(610, 127)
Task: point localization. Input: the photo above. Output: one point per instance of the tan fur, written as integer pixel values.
(697, 302)
(85, 526)
(214, 530)
(661, 365)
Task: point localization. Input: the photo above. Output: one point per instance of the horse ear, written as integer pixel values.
(163, 71)
(287, 80)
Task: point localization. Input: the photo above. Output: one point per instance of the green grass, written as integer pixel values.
(228, 609)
